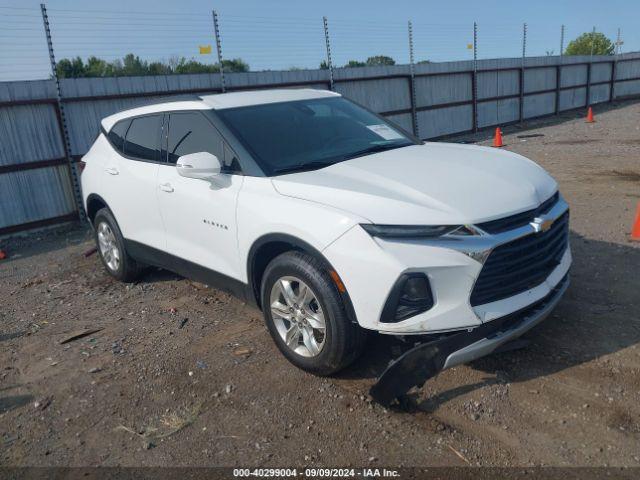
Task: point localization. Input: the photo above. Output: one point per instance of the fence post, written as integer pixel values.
(474, 78)
(614, 68)
(524, 54)
(62, 123)
(412, 83)
(328, 46)
(593, 39)
(216, 31)
(559, 70)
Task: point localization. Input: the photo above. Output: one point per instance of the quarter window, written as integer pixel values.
(192, 133)
(143, 138)
(117, 133)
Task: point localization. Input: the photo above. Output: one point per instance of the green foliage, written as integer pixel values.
(355, 64)
(582, 45)
(324, 65)
(420, 62)
(235, 65)
(133, 65)
(371, 61)
(380, 60)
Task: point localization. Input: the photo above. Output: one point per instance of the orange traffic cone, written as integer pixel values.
(497, 139)
(635, 230)
(590, 118)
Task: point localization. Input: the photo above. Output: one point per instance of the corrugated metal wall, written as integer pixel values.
(34, 179)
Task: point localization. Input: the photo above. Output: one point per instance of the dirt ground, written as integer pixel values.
(183, 375)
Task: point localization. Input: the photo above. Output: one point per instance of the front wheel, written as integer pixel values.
(306, 315)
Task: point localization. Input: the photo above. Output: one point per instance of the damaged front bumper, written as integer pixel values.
(426, 360)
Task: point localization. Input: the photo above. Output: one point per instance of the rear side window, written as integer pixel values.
(143, 138)
(117, 133)
(192, 133)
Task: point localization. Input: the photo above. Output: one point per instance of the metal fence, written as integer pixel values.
(47, 125)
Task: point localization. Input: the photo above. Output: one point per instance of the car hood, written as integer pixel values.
(434, 183)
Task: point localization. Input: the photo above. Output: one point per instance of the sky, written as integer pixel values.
(283, 34)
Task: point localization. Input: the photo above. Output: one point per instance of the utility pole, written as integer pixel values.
(590, 66)
(559, 70)
(64, 132)
(412, 84)
(328, 45)
(474, 80)
(522, 67)
(216, 31)
(614, 68)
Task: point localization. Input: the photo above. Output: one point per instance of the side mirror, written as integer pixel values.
(201, 165)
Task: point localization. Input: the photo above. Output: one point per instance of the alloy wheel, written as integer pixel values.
(108, 246)
(298, 316)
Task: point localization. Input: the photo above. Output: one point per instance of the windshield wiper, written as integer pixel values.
(301, 167)
(374, 149)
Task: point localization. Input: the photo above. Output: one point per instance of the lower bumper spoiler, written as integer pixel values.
(425, 361)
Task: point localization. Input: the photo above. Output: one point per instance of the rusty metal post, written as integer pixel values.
(64, 131)
(474, 80)
(522, 70)
(559, 70)
(412, 83)
(614, 68)
(590, 67)
(216, 31)
(328, 46)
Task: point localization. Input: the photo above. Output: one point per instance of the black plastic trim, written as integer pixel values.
(393, 300)
(90, 198)
(298, 244)
(157, 258)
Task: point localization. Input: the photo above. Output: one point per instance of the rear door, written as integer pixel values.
(200, 216)
(130, 180)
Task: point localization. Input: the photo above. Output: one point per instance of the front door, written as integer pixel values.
(199, 216)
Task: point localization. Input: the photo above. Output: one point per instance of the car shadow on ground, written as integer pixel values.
(15, 401)
(37, 242)
(596, 317)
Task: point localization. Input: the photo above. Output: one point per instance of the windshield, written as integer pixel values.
(310, 134)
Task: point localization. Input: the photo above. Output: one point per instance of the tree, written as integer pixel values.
(133, 65)
(355, 64)
(324, 65)
(584, 43)
(159, 68)
(380, 60)
(235, 65)
(73, 68)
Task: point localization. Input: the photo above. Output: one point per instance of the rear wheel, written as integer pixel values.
(306, 316)
(111, 248)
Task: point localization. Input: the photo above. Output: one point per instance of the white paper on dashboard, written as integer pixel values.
(385, 132)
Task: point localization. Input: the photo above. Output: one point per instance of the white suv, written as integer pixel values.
(331, 219)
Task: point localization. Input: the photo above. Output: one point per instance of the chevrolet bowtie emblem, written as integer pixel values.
(541, 224)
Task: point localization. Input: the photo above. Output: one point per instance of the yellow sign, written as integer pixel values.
(469, 46)
(205, 49)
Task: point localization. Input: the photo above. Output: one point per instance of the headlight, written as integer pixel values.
(417, 231)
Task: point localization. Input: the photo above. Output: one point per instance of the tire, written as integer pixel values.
(318, 351)
(111, 248)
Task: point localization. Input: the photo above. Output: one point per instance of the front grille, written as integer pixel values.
(519, 219)
(522, 264)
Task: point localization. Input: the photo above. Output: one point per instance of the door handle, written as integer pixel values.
(112, 170)
(166, 187)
